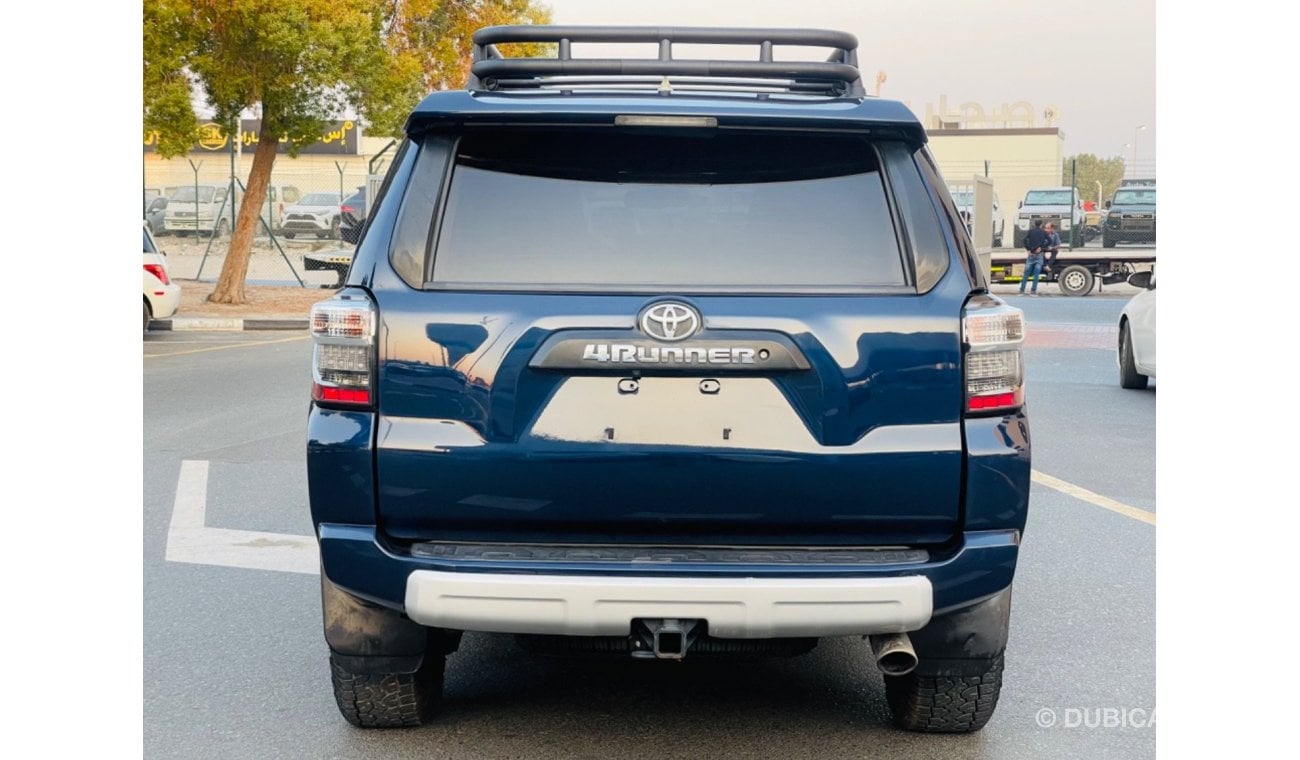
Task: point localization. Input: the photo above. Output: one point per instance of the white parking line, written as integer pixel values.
(190, 540)
(1105, 502)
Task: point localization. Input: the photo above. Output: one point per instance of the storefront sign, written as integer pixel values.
(338, 138)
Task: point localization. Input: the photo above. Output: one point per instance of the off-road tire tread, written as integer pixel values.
(388, 700)
(945, 704)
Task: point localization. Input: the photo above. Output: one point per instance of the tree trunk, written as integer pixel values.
(230, 286)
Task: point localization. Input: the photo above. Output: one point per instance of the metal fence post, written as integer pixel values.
(196, 195)
(341, 168)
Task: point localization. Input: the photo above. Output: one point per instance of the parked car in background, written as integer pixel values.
(155, 208)
(352, 213)
(1131, 216)
(965, 200)
(161, 295)
(1137, 333)
(195, 208)
(314, 214)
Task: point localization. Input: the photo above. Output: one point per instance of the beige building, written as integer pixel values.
(1017, 159)
(1022, 146)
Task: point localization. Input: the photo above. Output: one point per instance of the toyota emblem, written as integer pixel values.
(670, 321)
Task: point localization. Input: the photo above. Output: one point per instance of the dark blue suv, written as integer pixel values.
(669, 358)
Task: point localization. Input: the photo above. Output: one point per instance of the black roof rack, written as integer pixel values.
(836, 76)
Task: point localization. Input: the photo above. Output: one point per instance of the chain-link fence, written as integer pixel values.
(314, 205)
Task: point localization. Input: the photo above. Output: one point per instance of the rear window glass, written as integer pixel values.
(641, 210)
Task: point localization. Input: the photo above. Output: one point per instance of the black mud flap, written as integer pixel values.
(367, 638)
(961, 642)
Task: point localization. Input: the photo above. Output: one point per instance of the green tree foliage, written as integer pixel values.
(298, 64)
(1090, 171)
(437, 34)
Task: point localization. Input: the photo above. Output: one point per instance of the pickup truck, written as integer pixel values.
(667, 358)
(1131, 217)
(1060, 205)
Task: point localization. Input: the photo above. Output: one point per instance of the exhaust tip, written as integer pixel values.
(894, 653)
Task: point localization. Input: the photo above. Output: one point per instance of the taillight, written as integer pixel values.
(157, 271)
(343, 334)
(346, 209)
(992, 333)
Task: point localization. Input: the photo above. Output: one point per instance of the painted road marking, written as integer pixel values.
(223, 348)
(1096, 499)
(191, 541)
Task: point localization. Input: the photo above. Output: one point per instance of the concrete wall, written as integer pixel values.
(1019, 159)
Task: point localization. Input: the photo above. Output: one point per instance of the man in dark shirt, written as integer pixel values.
(1051, 247)
(1035, 241)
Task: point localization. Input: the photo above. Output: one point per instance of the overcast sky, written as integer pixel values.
(1094, 61)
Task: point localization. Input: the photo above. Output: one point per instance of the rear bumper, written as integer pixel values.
(749, 601)
(735, 608)
(187, 225)
(305, 225)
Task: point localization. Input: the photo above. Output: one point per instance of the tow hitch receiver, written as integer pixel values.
(664, 639)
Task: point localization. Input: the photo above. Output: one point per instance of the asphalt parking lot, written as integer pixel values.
(235, 662)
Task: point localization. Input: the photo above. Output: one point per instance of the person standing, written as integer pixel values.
(1052, 247)
(1035, 241)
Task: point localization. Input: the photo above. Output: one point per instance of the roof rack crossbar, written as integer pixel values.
(837, 75)
(693, 84)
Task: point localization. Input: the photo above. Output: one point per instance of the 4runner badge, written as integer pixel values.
(670, 321)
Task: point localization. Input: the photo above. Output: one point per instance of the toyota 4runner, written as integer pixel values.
(671, 358)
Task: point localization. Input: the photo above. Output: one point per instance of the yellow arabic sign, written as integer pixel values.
(339, 138)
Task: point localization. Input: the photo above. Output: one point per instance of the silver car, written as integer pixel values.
(315, 213)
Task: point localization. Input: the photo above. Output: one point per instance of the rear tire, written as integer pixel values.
(288, 235)
(147, 316)
(222, 228)
(1076, 280)
(945, 704)
(1107, 242)
(1129, 377)
(389, 700)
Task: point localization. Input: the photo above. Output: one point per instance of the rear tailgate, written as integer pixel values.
(805, 393)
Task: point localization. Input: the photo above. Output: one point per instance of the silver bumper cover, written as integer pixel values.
(740, 608)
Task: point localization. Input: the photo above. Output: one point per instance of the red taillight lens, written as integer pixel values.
(992, 333)
(346, 209)
(995, 401)
(157, 271)
(343, 329)
(340, 395)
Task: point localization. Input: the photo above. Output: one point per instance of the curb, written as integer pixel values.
(219, 324)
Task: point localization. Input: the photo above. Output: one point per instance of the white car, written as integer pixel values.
(1137, 333)
(161, 295)
(314, 214)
